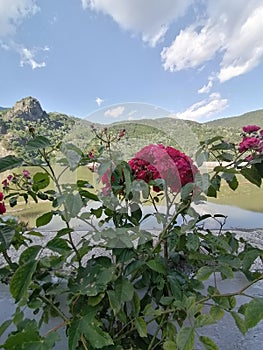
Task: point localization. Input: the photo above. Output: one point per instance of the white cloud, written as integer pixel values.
(27, 57)
(246, 49)
(150, 18)
(230, 30)
(190, 49)
(206, 88)
(12, 13)
(115, 112)
(99, 101)
(204, 109)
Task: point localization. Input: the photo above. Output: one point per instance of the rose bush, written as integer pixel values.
(126, 287)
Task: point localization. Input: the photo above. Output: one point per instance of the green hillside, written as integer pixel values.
(183, 134)
(254, 117)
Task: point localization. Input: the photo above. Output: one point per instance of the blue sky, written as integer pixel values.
(195, 59)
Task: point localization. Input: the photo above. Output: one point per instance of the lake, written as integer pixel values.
(244, 207)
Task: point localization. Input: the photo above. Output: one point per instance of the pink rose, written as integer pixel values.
(251, 128)
(26, 174)
(251, 143)
(157, 161)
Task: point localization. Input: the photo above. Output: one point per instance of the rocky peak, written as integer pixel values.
(28, 108)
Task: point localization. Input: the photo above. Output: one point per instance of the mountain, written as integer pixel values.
(15, 122)
(183, 134)
(250, 118)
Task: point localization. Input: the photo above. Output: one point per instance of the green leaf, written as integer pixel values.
(6, 236)
(233, 183)
(38, 142)
(254, 312)
(185, 338)
(44, 219)
(4, 326)
(222, 146)
(203, 320)
(74, 333)
(141, 327)
(193, 242)
(216, 312)
(40, 181)
(135, 304)
(73, 204)
(51, 339)
(248, 257)
(13, 201)
(213, 139)
(204, 273)
(29, 254)
(10, 162)
(187, 190)
(126, 171)
(226, 271)
(21, 279)
(215, 186)
(84, 183)
(169, 345)
(89, 195)
(72, 153)
(136, 213)
(90, 328)
(208, 343)
(21, 339)
(141, 186)
(93, 301)
(114, 301)
(240, 322)
(124, 290)
(252, 175)
(95, 335)
(157, 266)
(58, 245)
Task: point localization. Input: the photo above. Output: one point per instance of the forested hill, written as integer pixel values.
(183, 134)
(15, 122)
(250, 118)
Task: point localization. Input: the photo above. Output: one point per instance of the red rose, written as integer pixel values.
(2, 208)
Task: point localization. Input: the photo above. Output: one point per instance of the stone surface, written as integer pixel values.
(28, 108)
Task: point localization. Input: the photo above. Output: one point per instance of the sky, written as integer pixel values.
(129, 59)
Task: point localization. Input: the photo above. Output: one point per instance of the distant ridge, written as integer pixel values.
(182, 134)
(254, 117)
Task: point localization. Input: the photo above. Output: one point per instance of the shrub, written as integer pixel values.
(126, 287)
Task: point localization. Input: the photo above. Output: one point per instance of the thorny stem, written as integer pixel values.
(55, 179)
(153, 203)
(54, 307)
(168, 226)
(8, 259)
(84, 343)
(87, 222)
(56, 328)
(231, 294)
(156, 332)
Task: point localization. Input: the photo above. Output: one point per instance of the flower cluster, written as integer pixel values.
(159, 162)
(22, 181)
(252, 141)
(2, 204)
